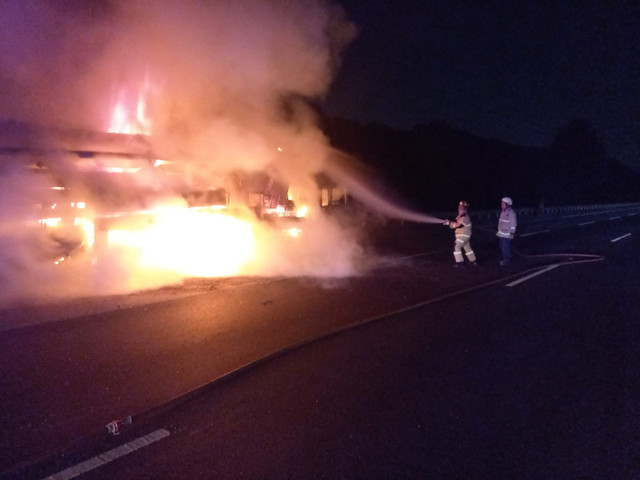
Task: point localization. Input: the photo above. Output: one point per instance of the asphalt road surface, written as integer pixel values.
(412, 370)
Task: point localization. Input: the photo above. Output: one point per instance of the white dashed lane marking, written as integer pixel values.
(528, 277)
(109, 456)
(620, 238)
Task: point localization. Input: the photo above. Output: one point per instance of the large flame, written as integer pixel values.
(122, 118)
(189, 243)
(192, 242)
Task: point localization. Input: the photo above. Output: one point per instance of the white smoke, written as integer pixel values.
(227, 84)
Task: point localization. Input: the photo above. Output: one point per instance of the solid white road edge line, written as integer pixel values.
(109, 456)
(620, 238)
(586, 223)
(540, 272)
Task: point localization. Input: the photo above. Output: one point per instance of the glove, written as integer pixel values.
(446, 222)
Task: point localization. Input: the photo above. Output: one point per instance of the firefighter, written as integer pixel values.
(462, 227)
(507, 224)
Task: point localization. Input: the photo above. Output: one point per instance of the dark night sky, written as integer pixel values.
(514, 71)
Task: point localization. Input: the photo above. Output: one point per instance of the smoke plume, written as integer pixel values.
(227, 86)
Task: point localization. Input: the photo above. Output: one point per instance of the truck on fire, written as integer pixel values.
(87, 189)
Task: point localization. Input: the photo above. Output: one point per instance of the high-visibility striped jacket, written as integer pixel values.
(462, 226)
(507, 223)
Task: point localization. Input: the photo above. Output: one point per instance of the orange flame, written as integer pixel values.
(123, 120)
(189, 243)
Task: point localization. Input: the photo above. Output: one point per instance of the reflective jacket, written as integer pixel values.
(462, 226)
(507, 223)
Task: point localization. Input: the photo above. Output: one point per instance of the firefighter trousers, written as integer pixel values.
(463, 243)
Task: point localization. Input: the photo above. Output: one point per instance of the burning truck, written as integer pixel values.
(174, 104)
(100, 196)
(121, 218)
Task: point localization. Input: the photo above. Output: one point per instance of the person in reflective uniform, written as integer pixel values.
(507, 224)
(462, 227)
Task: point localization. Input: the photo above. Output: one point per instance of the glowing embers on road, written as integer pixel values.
(187, 242)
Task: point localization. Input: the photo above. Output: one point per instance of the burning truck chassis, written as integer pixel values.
(97, 198)
(220, 105)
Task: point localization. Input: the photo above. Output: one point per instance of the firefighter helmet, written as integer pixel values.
(463, 204)
(507, 200)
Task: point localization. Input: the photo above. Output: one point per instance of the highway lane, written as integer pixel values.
(493, 383)
(126, 362)
(62, 381)
(489, 383)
